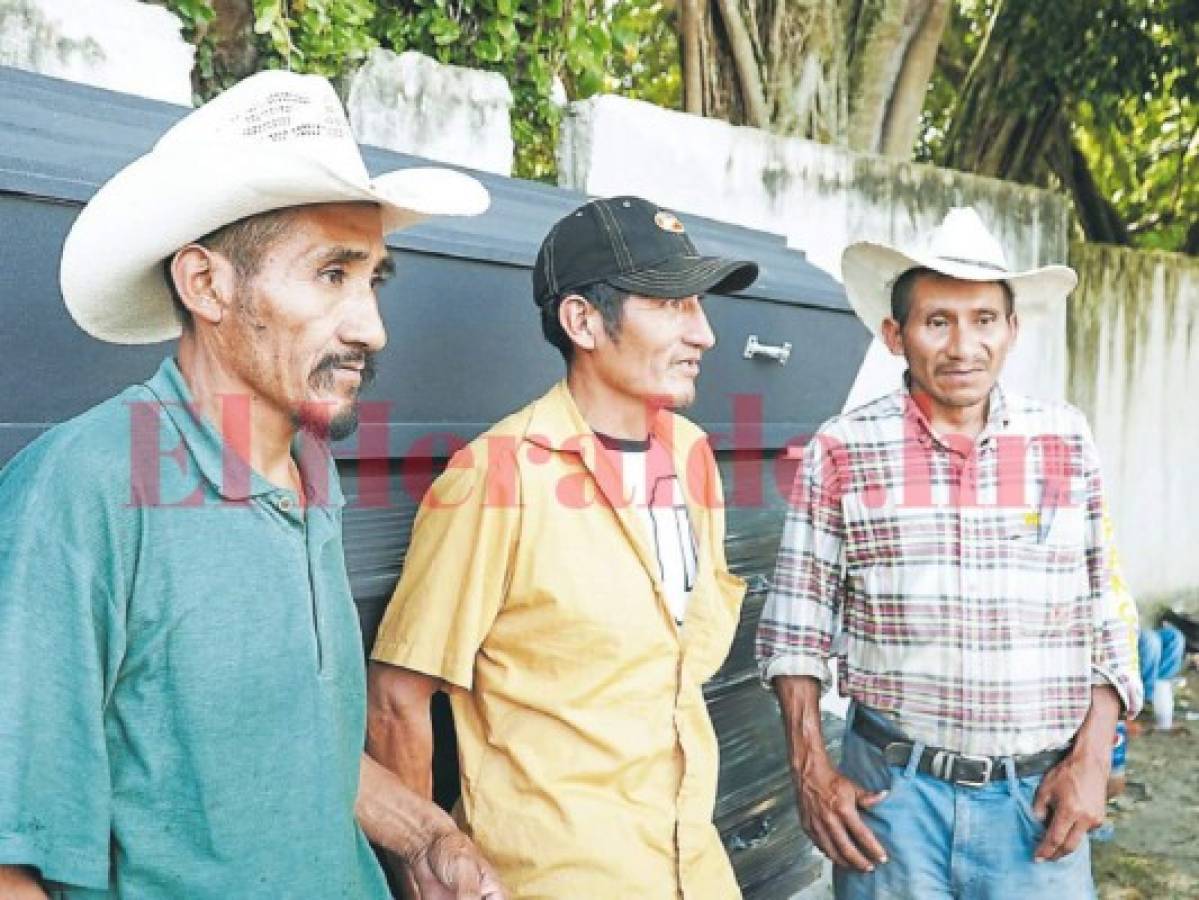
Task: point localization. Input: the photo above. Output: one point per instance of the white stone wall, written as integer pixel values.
(1134, 370)
(413, 104)
(123, 45)
(822, 199)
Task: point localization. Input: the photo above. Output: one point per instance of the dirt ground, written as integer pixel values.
(1154, 852)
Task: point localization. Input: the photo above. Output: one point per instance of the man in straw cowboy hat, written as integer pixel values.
(952, 531)
(183, 703)
(566, 585)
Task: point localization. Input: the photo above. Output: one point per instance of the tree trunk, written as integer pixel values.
(1096, 215)
(893, 50)
(902, 124)
(849, 72)
(775, 64)
(233, 46)
(1191, 245)
(691, 23)
(745, 63)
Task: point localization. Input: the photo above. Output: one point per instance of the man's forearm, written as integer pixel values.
(399, 730)
(799, 701)
(829, 803)
(395, 817)
(1097, 732)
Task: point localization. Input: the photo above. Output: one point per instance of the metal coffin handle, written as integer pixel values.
(780, 354)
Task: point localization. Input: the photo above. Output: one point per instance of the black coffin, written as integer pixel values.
(464, 350)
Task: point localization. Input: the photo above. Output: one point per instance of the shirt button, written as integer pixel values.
(284, 504)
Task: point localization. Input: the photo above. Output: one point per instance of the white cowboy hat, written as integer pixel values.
(960, 247)
(274, 140)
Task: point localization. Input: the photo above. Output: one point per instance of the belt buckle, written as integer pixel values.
(988, 764)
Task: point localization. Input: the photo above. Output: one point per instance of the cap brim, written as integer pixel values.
(682, 276)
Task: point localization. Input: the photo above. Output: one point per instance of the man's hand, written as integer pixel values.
(451, 868)
(1073, 793)
(20, 883)
(828, 801)
(438, 861)
(1075, 790)
(828, 812)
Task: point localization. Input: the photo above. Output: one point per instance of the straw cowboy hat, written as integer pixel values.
(960, 247)
(274, 140)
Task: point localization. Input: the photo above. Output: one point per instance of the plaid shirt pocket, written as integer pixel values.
(1045, 557)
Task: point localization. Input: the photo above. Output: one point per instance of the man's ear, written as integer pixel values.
(578, 319)
(893, 336)
(1014, 320)
(205, 281)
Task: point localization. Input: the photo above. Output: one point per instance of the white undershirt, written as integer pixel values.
(661, 507)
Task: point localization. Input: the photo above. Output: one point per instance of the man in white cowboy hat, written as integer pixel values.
(183, 703)
(952, 532)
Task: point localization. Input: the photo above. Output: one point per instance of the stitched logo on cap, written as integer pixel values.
(669, 222)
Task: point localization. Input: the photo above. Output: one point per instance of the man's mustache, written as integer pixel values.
(323, 371)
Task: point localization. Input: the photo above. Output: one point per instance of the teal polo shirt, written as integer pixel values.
(182, 688)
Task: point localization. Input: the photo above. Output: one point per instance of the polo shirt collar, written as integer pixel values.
(229, 475)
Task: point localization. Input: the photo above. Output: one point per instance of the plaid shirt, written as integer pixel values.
(969, 579)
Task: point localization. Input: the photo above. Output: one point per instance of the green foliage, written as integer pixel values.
(196, 15)
(193, 12)
(1148, 166)
(323, 37)
(1142, 143)
(1127, 74)
(645, 63)
(959, 47)
(529, 43)
(622, 47)
(1099, 51)
(626, 46)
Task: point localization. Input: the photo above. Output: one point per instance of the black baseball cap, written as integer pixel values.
(633, 245)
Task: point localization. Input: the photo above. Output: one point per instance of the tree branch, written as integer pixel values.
(879, 53)
(690, 21)
(1191, 245)
(1099, 220)
(1183, 150)
(742, 50)
(902, 123)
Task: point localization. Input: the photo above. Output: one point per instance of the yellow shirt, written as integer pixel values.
(1126, 605)
(587, 756)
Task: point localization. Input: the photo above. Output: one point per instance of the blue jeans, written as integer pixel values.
(948, 841)
(1161, 651)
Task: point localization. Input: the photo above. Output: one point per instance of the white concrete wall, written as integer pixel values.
(822, 199)
(123, 45)
(1134, 370)
(1125, 347)
(413, 104)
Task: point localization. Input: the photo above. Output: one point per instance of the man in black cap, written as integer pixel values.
(566, 585)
